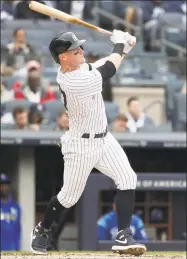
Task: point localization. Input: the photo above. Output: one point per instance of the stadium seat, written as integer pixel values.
(19, 23)
(57, 95)
(6, 126)
(164, 128)
(112, 110)
(7, 107)
(47, 127)
(150, 128)
(167, 127)
(8, 81)
(179, 112)
(98, 48)
(53, 108)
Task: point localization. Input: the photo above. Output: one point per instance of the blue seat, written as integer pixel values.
(112, 111)
(52, 108)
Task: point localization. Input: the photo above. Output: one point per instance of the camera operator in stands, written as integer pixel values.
(136, 118)
(19, 52)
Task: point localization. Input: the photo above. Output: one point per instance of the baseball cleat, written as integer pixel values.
(125, 244)
(39, 240)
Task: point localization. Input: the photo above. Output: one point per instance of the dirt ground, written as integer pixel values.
(91, 256)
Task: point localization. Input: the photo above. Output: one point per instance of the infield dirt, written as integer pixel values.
(89, 256)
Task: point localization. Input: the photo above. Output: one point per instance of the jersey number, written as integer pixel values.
(64, 98)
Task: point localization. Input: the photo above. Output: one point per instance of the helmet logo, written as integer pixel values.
(74, 37)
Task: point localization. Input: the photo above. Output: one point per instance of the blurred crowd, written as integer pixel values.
(13, 9)
(22, 77)
(26, 82)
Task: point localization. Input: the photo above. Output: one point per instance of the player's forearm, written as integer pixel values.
(117, 56)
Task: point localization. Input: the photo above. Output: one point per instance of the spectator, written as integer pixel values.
(20, 115)
(107, 227)
(79, 9)
(35, 117)
(7, 10)
(62, 122)
(34, 90)
(22, 10)
(10, 218)
(32, 65)
(174, 6)
(19, 52)
(136, 118)
(151, 11)
(120, 124)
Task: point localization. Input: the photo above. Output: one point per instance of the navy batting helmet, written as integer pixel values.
(65, 41)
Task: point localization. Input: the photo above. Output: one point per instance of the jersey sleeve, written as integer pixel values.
(85, 83)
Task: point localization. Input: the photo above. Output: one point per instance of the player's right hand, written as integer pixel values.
(123, 37)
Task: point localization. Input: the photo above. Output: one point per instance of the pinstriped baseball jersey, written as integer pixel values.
(81, 92)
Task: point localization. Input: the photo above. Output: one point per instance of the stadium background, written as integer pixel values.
(155, 73)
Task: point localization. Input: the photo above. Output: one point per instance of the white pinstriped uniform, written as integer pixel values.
(81, 91)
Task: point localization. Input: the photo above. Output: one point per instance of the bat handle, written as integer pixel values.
(109, 33)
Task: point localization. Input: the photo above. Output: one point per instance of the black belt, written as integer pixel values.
(99, 135)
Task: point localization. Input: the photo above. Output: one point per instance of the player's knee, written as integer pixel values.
(65, 200)
(131, 184)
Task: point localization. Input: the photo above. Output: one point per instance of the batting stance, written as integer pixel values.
(88, 144)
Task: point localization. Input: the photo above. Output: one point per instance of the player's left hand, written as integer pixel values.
(131, 42)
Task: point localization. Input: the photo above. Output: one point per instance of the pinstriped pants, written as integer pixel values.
(82, 155)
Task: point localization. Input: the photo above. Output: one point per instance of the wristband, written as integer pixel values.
(118, 48)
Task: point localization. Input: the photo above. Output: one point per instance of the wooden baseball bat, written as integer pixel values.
(52, 12)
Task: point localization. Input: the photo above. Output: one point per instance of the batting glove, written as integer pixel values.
(130, 43)
(117, 36)
(123, 37)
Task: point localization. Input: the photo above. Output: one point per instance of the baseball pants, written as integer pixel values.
(82, 155)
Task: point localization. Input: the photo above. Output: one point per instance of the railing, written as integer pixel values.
(116, 20)
(165, 43)
(151, 104)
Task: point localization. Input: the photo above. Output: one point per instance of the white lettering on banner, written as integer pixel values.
(161, 183)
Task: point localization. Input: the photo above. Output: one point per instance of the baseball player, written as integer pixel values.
(88, 144)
